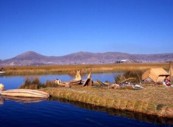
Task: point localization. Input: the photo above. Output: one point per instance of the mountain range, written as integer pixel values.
(33, 58)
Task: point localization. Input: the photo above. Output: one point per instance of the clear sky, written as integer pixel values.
(60, 27)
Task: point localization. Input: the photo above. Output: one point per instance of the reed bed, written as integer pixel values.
(56, 69)
(122, 113)
(153, 100)
(34, 83)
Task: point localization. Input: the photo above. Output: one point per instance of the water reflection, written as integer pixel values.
(120, 113)
(20, 99)
(1, 100)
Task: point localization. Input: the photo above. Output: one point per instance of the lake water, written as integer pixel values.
(61, 113)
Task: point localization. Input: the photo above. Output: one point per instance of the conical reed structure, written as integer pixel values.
(171, 71)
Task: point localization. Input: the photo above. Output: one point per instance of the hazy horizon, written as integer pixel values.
(83, 52)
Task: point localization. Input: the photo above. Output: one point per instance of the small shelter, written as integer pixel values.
(89, 81)
(155, 74)
(77, 76)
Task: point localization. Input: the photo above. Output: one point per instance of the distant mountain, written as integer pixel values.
(33, 58)
(30, 55)
(28, 58)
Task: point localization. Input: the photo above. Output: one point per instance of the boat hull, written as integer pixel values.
(25, 93)
(2, 72)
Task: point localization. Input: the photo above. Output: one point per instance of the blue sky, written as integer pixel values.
(60, 27)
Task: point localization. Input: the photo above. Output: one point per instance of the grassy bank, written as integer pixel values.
(57, 69)
(121, 113)
(152, 100)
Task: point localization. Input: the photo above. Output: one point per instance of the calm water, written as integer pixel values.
(60, 113)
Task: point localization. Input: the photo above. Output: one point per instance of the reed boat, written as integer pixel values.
(2, 72)
(67, 84)
(25, 93)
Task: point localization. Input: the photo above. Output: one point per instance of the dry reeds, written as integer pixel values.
(31, 84)
(50, 84)
(151, 100)
(129, 76)
(36, 84)
(71, 69)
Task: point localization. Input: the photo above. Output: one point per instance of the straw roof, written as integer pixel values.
(155, 74)
(77, 76)
(171, 71)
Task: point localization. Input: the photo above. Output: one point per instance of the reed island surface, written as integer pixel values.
(152, 99)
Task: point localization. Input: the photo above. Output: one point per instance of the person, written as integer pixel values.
(167, 81)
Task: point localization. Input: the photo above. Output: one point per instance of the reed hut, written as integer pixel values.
(171, 71)
(155, 74)
(77, 76)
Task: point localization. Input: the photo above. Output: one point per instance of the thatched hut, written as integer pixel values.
(155, 74)
(77, 76)
(171, 71)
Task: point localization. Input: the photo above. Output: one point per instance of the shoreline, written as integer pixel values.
(71, 69)
(101, 99)
(117, 112)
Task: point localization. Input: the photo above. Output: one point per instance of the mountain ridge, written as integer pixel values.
(34, 58)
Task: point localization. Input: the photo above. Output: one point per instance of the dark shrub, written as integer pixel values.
(31, 84)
